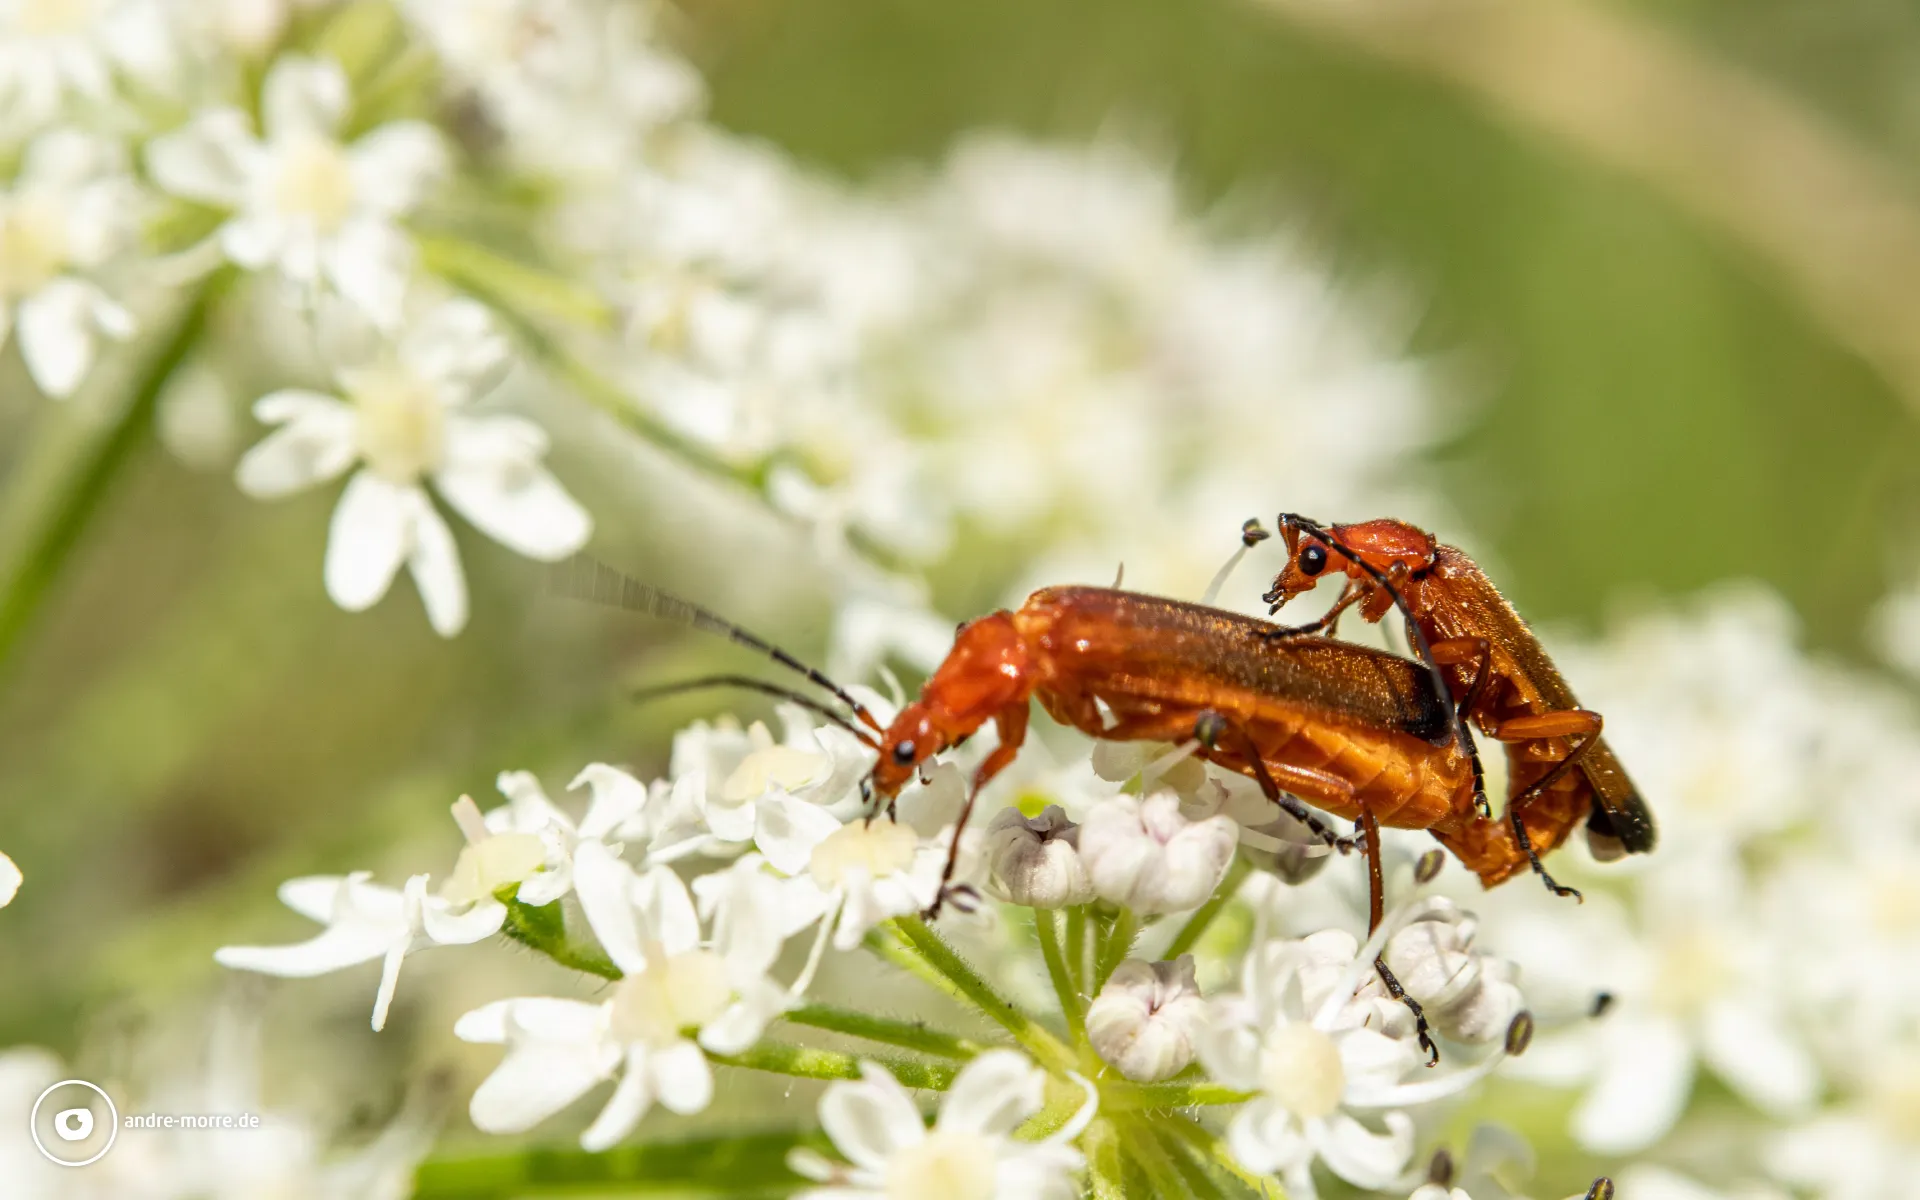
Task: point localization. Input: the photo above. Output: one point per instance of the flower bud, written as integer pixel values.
(1036, 860)
(1468, 996)
(1147, 856)
(1144, 1020)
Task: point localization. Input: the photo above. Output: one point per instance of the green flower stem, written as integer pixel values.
(1113, 950)
(1131, 1097)
(1104, 1170)
(1047, 928)
(806, 1062)
(1152, 1158)
(908, 1035)
(967, 984)
(747, 1164)
(42, 550)
(1204, 1143)
(1195, 1171)
(1196, 925)
(544, 928)
(1077, 946)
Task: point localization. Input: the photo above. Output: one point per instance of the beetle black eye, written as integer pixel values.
(903, 753)
(1313, 560)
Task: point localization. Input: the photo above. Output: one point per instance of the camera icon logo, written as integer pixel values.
(70, 1111)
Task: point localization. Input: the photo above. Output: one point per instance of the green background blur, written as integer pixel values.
(189, 720)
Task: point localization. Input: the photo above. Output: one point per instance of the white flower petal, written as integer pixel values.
(367, 541)
(339, 946)
(616, 797)
(604, 885)
(534, 1081)
(303, 96)
(477, 923)
(683, 1077)
(259, 239)
(1265, 1138)
(540, 1017)
(870, 1120)
(667, 909)
(993, 1094)
(10, 880)
(368, 261)
(786, 830)
(434, 563)
(1362, 1156)
(458, 346)
(1645, 1076)
(1759, 1057)
(506, 493)
(56, 332)
(393, 164)
(208, 160)
(315, 443)
(629, 1102)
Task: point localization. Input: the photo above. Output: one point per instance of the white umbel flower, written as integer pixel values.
(1145, 1019)
(969, 1154)
(403, 417)
(10, 880)
(318, 211)
(1035, 861)
(677, 996)
(1467, 995)
(69, 212)
(364, 921)
(1148, 856)
(56, 52)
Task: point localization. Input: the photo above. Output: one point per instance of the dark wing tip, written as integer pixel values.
(1629, 823)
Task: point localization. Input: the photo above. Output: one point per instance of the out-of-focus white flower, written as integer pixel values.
(1866, 1147)
(404, 417)
(71, 210)
(56, 52)
(1466, 994)
(364, 921)
(10, 880)
(1312, 1051)
(318, 211)
(1035, 861)
(1645, 1181)
(969, 1154)
(1694, 979)
(1436, 1191)
(1146, 1017)
(1147, 856)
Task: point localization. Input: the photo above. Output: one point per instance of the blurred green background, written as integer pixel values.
(189, 720)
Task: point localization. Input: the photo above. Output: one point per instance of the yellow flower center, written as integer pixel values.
(314, 181)
(51, 18)
(783, 766)
(33, 244)
(660, 1004)
(1300, 1067)
(403, 424)
(487, 865)
(946, 1166)
(880, 848)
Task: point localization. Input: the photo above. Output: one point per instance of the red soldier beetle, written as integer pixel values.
(1361, 733)
(1501, 679)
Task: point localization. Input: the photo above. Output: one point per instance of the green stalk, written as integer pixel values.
(1133, 1097)
(1204, 1143)
(1047, 929)
(1077, 946)
(1151, 1157)
(1104, 1170)
(908, 1035)
(1196, 925)
(1193, 1170)
(44, 551)
(967, 983)
(544, 928)
(807, 1062)
(1114, 949)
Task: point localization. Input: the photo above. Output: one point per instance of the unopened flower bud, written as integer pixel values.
(1144, 1020)
(1036, 860)
(1145, 855)
(1468, 996)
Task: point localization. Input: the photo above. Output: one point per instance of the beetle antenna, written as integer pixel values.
(757, 685)
(583, 578)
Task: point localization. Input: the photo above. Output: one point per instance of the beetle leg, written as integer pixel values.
(1012, 726)
(1327, 623)
(1213, 727)
(1572, 722)
(1376, 910)
(1477, 652)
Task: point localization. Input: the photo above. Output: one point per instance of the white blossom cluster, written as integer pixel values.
(1025, 338)
(685, 890)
